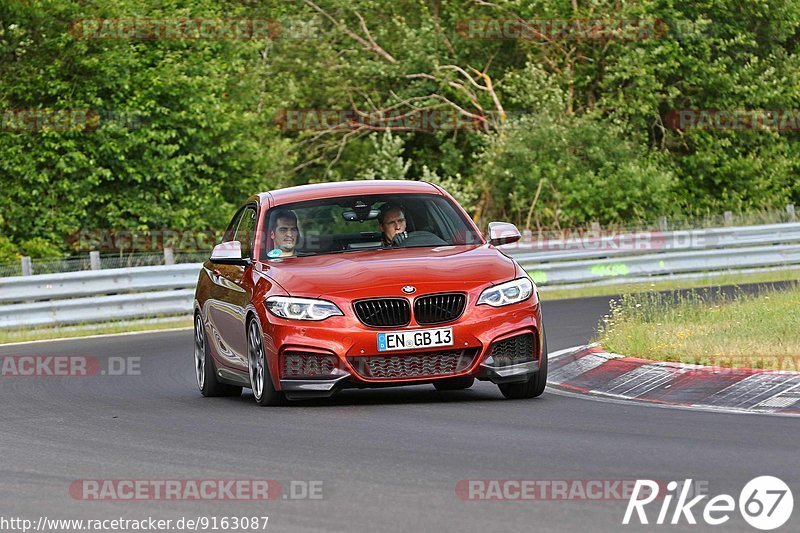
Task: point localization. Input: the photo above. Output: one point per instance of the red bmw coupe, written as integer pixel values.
(322, 287)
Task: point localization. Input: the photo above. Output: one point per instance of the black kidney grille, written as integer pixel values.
(439, 308)
(383, 312)
(514, 350)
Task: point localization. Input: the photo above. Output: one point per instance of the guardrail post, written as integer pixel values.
(728, 218)
(662, 224)
(792, 215)
(94, 260)
(27, 267)
(169, 256)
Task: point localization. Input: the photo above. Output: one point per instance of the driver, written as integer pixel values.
(284, 233)
(392, 221)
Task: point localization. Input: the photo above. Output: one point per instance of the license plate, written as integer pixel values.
(418, 338)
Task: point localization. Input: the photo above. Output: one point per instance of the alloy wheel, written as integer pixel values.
(199, 352)
(256, 360)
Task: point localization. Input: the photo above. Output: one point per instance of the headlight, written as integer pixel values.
(507, 293)
(301, 308)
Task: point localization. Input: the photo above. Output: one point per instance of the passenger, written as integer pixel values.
(284, 233)
(392, 221)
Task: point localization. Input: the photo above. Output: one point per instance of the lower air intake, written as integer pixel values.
(307, 365)
(514, 350)
(414, 365)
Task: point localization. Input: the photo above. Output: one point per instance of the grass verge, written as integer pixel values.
(648, 285)
(84, 330)
(738, 330)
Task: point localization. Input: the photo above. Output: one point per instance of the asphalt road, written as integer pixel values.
(388, 460)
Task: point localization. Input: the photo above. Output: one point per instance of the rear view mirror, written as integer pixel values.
(361, 215)
(503, 233)
(229, 253)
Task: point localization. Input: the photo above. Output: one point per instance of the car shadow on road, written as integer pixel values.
(414, 395)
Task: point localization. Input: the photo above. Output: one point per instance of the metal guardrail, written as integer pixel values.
(586, 271)
(124, 293)
(97, 295)
(97, 309)
(633, 243)
(96, 282)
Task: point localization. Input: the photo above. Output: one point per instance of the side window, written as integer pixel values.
(245, 232)
(228, 236)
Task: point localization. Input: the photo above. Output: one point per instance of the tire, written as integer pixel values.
(534, 386)
(205, 371)
(454, 384)
(260, 381)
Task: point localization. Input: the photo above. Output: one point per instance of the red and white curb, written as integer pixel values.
(592, 370)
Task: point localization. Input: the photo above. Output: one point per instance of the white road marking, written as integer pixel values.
(754, 389)
(640, 381)
(97, 336)
(781, 402)
(574, 349)
(577, 367)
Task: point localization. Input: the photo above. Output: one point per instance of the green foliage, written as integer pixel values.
(179, 142)
(39, 247)
(8, 251)
(187, 127)
(386, 160)
(582, 169)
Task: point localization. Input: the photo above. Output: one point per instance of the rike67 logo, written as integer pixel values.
(765, 503)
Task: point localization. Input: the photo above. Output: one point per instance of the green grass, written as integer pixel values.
(648, 285)
(703, 327)
(83, 330)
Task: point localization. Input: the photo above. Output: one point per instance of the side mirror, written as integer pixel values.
(503, 233)
(229, 253)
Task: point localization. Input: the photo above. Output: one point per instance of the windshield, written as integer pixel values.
(353, 223)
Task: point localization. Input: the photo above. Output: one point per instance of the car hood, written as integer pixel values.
(385, 272)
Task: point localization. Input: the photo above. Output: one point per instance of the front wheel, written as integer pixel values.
(204, 370)
(260, 381)
(534, 386)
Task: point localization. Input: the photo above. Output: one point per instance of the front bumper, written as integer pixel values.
(313, 388)
(349, 341)
(509, 373)
(296, 389)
